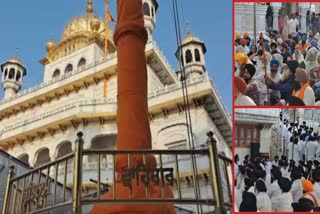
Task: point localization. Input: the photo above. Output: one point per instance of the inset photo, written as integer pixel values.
(277, 160)
(276, 54)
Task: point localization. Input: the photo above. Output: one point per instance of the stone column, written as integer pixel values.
(276, 7)
(294, 8)
(304, 8)
(244, 18)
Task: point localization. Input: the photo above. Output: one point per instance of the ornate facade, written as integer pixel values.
(78, 93)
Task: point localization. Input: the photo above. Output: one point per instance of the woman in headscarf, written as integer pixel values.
(314, 71)
(253, 52)
(263, 199)
(311, 61)
(297, 55)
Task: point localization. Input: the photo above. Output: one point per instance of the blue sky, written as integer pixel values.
(27, 25)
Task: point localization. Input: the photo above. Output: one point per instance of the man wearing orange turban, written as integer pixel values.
(304, 91)
(132, 117)
(240, 88)
(309, 193)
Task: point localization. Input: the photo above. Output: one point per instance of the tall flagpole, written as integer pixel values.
(130, 38)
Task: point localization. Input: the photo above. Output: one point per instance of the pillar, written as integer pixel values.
(275, 7)
(244, 18)
(304, 8)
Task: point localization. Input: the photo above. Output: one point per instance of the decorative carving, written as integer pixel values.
(145, 175)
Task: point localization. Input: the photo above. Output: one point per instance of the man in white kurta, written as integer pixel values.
(263, 199)
(293, 24)
(293, 151)
(311, 148)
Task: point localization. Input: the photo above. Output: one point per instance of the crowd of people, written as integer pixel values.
(290, 183)
(278, 69)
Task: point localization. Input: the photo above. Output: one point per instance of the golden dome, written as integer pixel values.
(190, 38)
(50, 44)
(85, 24)
(95, 24)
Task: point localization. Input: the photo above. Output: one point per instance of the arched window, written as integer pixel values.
(11, 73)
(18, 77)
(6, 73)
(64, 149)
(197, 55)
(68, 69)
(56, 74)
(103, 142)
(146, 9)
(152, 11)
(42, 157)
(188, 56)
(82, 62)
(24, 158)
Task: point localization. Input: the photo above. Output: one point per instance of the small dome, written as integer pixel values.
(85, 24)
(16, 61)
(95, 24)
(190, 38)
(193, 39)
(50, 44)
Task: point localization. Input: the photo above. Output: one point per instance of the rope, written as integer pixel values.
(186, 99)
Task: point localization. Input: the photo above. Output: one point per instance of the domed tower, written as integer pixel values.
(150, 8)
(12, 73)
(191, 53)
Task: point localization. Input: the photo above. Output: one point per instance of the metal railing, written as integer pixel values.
(38, 192)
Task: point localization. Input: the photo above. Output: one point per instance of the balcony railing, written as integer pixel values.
(62, 77)
(101, 101)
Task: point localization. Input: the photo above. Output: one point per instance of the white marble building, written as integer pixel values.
(244, 15)
(78, 93)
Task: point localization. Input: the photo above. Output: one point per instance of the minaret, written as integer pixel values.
(12, 73)
(192, 54)
(150, 8)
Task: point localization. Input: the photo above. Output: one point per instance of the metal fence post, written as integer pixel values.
(215, 175)
(77, 180)
(6, 202)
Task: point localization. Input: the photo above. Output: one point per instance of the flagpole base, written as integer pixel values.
(138, 192)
